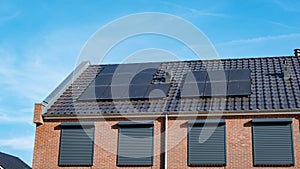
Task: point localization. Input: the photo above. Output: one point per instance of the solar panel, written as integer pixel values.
(240, 74)
(92, 93)
(157, 91)
(217, 75)
(142, 78)
(128, 68)
(215, 89)
(137, 91)
(121, 79)
(216, 83)
(153, 65)
(114, 79)
(108, 69)
(113, 82)
(192, 89)
(196, 76)
(115, 92)
(103, 80)
(148, 70)
(239, 88)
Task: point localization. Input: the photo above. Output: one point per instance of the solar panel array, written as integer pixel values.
(217, 83)
(126, 81)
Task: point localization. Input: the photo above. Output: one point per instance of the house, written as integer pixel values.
(230, 113)
(11, 162)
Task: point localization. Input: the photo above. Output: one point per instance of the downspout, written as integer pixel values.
(166, 140)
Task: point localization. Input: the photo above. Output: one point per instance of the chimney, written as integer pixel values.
(37, 117)
(297, 52)
(286, 71)
(168, 77)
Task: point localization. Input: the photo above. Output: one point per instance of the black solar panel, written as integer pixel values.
(215, 89)
(115, 92)
(120, 92)
(192, 89)
(92, 93)
(217, 75)
(121, 79)
(114, 79)
(149, 66)
(121, 82)
(109, 69)
(148, 70)
(119, 75)
(239, 88)
(137, 91)
(240, 74)
(157, 91)
(217, 83)
(128, 68)
(196, 76)
(142, 78)
(103, 80)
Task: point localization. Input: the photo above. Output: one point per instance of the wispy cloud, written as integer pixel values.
(10, 17)
(18, 143)
(289, 6)
(19, 116)
(283, 25)
(260, 39)
(192, 12)
(45, 62)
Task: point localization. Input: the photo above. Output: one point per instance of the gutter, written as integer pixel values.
(182, 114)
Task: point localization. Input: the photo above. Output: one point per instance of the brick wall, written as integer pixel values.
(47, 140)
(238, 144)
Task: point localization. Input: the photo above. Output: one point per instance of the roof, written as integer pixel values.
(12, 162)
(268, 92)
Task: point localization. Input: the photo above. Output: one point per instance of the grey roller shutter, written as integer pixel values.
(206, 152)
(272, 142)
(76, 144)
(135, 144)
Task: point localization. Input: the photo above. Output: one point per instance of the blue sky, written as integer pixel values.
(40, 42)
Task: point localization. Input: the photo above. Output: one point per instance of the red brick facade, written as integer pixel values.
(238, 143)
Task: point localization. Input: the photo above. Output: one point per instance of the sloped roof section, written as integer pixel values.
(12, 162)
(269, 89)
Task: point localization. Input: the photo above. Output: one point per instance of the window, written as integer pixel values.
(206, 143)
(272, 141)
(135, 146)
(76, 144)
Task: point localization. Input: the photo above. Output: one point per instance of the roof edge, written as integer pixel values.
(204, 60)
(57, 92)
